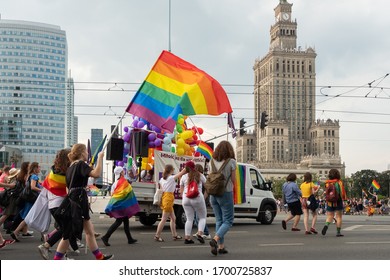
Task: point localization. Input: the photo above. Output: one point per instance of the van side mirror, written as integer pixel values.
(268, 185)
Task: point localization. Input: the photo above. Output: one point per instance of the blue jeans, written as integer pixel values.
(223, 207)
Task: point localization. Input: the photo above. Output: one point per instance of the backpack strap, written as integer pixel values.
(223, 165)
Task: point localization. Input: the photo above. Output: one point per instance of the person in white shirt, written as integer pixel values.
(192, 205)
(168, 184)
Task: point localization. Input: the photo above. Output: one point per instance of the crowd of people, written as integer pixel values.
(63, 195)
(305, 200)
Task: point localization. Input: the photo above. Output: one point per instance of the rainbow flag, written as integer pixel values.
(93, 190)
(239, 186)
(173, 87)
(205, 150)
(55, 183)
(123, 202)
(375, 185)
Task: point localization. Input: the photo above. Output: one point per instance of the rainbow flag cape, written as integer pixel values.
(123, 202)
(375, 185)
(205, 150)
(175, 86)
(239, 186)
(55, 183)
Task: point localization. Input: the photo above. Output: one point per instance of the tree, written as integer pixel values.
(362, 180)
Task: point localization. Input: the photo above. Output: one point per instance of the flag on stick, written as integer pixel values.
(98, 150)
(375, 185)
(175, 86)
(205, 150)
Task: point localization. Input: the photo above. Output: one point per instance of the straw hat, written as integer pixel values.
(13, 173)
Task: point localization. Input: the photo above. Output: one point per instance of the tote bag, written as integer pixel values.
(39, 216)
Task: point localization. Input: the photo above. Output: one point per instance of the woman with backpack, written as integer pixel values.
(223, 206)
(334, 206)
(193, 204)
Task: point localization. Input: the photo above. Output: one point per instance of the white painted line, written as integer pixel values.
(368, 242)
(184, 247)
(281, 244)
(352, 227)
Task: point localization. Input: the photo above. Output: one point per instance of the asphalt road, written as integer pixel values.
(366, 238)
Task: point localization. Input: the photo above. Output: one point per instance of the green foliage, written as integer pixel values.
(362, 180)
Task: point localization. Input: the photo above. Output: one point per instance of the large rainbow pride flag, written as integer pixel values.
(239, 186)
(175, 86)
(55, 183)
(123, 202)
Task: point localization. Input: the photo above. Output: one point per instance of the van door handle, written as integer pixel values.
(251, 192)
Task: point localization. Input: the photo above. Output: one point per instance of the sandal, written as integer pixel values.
(158, 239)
(177, 237)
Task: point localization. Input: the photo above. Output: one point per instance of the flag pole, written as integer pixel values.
(113, 131)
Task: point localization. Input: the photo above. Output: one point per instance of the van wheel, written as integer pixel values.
(180, 217)
(148, 220)
(266, 216)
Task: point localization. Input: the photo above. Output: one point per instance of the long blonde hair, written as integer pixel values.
(76, 152)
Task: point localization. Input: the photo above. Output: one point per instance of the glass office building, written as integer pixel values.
(33, 88)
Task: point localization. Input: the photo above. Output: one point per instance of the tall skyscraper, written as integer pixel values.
(285, 91)
(33, 73)
(71, 121)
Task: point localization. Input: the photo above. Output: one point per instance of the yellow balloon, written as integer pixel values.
(180, 143)
(180, 121)
(187, 147)
(180, 151)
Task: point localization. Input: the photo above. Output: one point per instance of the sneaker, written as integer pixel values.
(107, 257)
(324, 230)
(307, 232)
(80, 245)
(214, 247)
(313, 231)
(284, 225)
(7, 242)
(14, 237)
(295, 229)
(222, 251)
(206, 237)
(339, 235)
(105, 241)
(200, 238)
(189, 241)
(27, 234)
(43, 251)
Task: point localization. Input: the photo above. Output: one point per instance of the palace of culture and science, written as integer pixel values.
(285, 90)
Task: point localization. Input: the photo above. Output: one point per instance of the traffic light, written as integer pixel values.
(263, 120)
(242, 125)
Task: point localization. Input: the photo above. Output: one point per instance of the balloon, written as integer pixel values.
(180, 142)
(157, 129)
(180, 116)
(125, 129)
(135, 123)
(180, 121)
(173, 149)
(124, 160)
(157, 142)
(151, 144)
(120, 163)
(151, 136)
(166, 148)
(167, 140)
(187, 147)
(200, 130)
(180, 151)
(126, 137)
(126, 146)
(141, 124)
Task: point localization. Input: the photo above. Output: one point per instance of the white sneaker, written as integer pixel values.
(208, 237)
(194, 235)
(43, 251)
(81, 245)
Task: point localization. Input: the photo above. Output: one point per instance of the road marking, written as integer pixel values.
(184, 247)
(281, 244)
(368, 242)
(352, 227)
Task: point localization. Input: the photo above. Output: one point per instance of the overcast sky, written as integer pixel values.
(118, 42)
